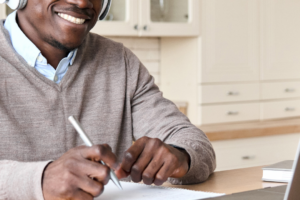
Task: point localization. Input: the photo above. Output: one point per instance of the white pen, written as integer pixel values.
(89, 143)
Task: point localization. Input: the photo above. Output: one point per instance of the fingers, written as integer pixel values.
(131, 155)
(92, 187)
(93, 170)
(100, 152)
(78, 174)
(149, 174)
(139, 166)
(153, 161)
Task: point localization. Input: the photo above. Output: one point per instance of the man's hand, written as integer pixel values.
(78, 175)
(153, 161)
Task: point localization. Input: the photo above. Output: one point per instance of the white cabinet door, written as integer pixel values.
(2, 11)
(121, 20)
(230, 40)
(169, 17)
(281, 39)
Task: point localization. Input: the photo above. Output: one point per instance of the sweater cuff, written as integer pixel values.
(189, 178)
(201, 166)
(24, 180)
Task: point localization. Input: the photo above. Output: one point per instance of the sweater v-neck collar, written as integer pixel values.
(9, 54)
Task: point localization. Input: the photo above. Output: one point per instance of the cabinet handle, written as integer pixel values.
(233, 113)
(289, 90)
(136, 27)
(145, 28)
(233, 93)
(248, 157)
(290, 109)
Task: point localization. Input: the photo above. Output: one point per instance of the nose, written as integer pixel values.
(81, 3)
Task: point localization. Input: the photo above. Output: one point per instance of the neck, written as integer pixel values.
(53, 54)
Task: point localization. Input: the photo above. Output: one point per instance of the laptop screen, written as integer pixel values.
(293, 189)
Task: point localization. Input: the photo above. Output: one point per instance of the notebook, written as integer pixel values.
(279, 172)
(132, 191)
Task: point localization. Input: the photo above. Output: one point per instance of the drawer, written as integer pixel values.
(240, 153)
(280, 90)
(280, 109)
(229, 93)
(230, 113)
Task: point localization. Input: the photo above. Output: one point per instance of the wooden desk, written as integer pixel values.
(239, 130)
(231, 181)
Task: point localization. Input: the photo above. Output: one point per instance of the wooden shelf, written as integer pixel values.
(229, 131)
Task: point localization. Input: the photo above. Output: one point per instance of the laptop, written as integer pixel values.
(289, 192)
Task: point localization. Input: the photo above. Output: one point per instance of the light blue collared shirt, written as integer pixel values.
(33, 55)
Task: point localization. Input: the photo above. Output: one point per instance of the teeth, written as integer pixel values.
(71, 18)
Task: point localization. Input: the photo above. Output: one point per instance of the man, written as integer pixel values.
(51, 68)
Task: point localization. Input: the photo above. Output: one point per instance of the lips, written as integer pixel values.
(71, 18)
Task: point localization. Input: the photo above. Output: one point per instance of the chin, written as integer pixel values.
(63, 45)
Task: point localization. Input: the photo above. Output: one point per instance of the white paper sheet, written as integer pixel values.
(132, 191)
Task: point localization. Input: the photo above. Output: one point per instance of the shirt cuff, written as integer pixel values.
(24, 180)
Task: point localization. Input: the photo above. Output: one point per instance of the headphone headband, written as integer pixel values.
(20, 4)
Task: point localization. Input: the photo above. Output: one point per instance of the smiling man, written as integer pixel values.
(51, 68)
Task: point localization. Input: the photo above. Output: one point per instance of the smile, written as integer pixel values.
(71, 18)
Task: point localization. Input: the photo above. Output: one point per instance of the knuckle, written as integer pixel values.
(144, 139)
(64, 190)
(156, 142)
(99, 149)
(105, 174)
(174, 159)
(67, 177)
(69, 163)
(147, 176)
(106, 171)
(106, 146)
(98, 190)
(159, 177)
(129, 156)
(136, 169)
(101, 190)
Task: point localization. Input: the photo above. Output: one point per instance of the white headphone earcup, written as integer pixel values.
(22, 4)
(105, 9)
(16, 4)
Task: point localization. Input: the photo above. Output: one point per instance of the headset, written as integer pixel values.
(20, 4)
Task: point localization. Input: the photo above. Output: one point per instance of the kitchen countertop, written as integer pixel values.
(229, 131)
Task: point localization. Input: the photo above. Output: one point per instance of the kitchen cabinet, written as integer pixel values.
(159, 18)
(280, 39)
(242, 153)
(247, 63)
(230, 41)
(151, 18)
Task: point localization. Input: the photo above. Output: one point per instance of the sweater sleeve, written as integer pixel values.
(21, 180)
(156, 117)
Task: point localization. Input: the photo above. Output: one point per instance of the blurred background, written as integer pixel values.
(232, 66)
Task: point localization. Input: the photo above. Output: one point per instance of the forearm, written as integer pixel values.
(21, 180)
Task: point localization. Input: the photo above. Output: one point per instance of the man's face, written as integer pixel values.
(61, 23)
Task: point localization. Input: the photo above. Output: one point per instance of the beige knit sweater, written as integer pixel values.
(111, 93)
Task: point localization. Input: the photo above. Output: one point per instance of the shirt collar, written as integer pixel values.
(23, 45)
